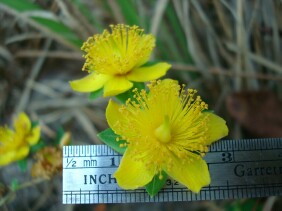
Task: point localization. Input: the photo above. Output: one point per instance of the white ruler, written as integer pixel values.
(238, 168)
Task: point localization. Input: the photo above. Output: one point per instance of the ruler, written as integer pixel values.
(245, 168)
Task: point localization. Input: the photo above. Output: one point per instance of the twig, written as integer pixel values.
(43, 197)
(259, 59)
(223, 19)
(159, 11)
(22, 186)
(34, 72)
(240, 43)
(116, 11)
(81, 19)
(87, 125)
(60, 102)
(38, 26)
(276, 41)
(47, 130)
(193, 44)
(24, 37)
(50, 54)
(220, 71)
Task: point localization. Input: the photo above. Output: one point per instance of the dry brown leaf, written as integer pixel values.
(260, 113)
(49, 162)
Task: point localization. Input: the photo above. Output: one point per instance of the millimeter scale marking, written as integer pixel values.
(244, 168)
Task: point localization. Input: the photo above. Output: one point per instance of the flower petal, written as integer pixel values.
(116, 85)
(216, 128)
(132, 174)
(90, 83)
(113, 115)
(143, 74)
(12, 155)
(21, 153)
(33, 136)
(22, 124)
(193, 174)
(7, 158)
(6, 135)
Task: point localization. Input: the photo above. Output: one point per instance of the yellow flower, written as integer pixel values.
(14, 145)
(166, 130)
(115, 59)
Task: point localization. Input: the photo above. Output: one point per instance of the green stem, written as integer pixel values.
(22, 186)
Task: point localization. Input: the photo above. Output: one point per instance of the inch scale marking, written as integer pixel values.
(239, 169)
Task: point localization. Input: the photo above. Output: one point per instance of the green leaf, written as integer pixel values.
(109, 137)
(59, 135)
(248, 204)
(178, 34)
(60, 29)
(150, 63)
(53, 28)
(37, 146)
(129, 12)
(156, 184)
(94, 95)
(21, 5)
(86, 11)
(34, 124)
(22, 164)
(129, 94)
(14, 184)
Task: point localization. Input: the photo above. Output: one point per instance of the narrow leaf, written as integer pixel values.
(86, 11)
(150, 63)
(109, 137)
(96, 94)
(22, 165)
(37, 146)
(14, 184)
(60, 133)
(60, 29)
(129, 12)
(156, 184)
(21, 5)
(53, 28)
(34, 124)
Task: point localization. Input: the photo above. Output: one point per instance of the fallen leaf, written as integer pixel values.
(260, 113)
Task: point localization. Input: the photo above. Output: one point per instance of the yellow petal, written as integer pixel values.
(7, 158)
(193, 174)
(10, 155)
(21, 153)
(217, 128)
(116, 85)
(34, 136)
(6, 135)
(132, 174)
(22, 124)
(143, 74)
(90, 83)
(113, 115)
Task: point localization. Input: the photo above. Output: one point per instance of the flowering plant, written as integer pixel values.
(15, 144)
(116, 60)
(21, 141)
(162, 129)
